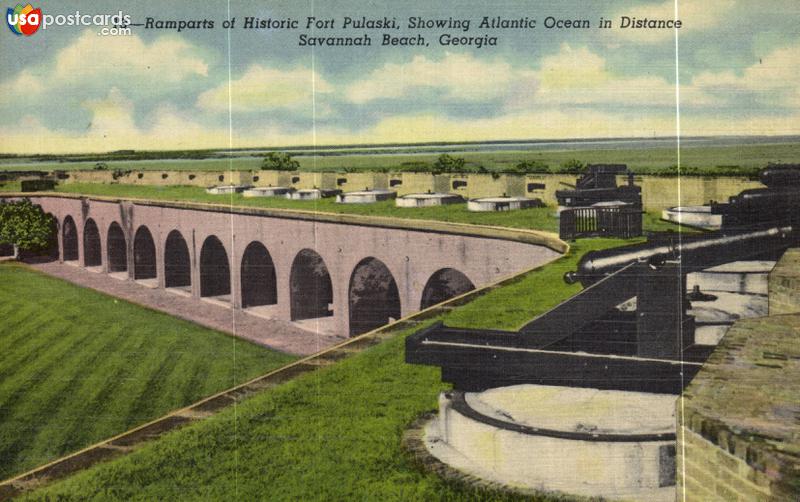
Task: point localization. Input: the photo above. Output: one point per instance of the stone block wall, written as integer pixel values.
(784, 284)
(738, 429)
(658, 192)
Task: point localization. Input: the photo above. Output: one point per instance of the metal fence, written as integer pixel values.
(623, 222)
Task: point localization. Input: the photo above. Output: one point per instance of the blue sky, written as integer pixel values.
(66, 89)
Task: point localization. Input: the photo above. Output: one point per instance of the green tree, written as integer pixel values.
(573, 166)
(279, 161)
(447, 164)
(26, 226)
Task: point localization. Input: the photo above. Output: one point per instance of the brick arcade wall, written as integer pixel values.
(738, 427)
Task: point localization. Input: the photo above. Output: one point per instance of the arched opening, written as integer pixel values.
(69, 238)
(116, 249)
(215, 272)
(373, 296)
(310, 286)
(259, 286)
(144, 255)
(444, 284)
(91, 244)
(177, 265)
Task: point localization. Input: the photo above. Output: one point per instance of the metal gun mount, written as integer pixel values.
(599, 184)
(763, 206)
(597, 338)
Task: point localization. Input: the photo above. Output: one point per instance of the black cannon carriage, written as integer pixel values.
(628, 329)
(598, 185)
(596, 206)
(762, 206)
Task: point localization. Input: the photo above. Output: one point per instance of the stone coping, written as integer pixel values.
(549, 240)
(746, 401)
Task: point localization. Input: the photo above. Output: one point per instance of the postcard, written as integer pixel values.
(357, 250)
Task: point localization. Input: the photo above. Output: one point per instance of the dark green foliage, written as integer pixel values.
(572, 166)
(26, 225)
(279, 161)
(37, 185)
(77, 366)
(119, 173)
(448, 164)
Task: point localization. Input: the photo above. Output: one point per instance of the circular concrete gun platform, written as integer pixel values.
(365, 196)
(427, 199)
(590, 442)
(488, 204)
(693, 216)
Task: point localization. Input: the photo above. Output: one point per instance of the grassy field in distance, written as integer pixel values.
(333, 434)
(78, 366)
(705, 158)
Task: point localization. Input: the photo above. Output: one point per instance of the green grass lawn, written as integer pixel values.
(536, 218)
(78, 366)
(329, 435)
(708, 158)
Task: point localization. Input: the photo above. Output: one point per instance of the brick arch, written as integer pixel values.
(92, 248)
(373, 296)
(310, 286)
(116, 248)
(144, 254)
(177, 262)
(257, 273)
(69, 239)
(444, 284)
(215, 270)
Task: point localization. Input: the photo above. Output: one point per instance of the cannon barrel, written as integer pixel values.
(765, 199)
(780, 175)
(695, 252)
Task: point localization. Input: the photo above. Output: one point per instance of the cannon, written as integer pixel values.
(598, 185)
(597, 207)
(601, 337)
(779, 201)
(693, 252)
(628, 329)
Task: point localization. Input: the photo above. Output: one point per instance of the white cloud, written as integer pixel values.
(572, 76)
(577, 76)
(695, 15)
(262, 88)
(165, 59)
(24, 83)
(123, 61)
(457, 76)
(773, 79)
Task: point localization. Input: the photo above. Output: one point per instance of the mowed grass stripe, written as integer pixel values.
(48, 392)
(38, 365)
(56, 394)
(110, 373)
(79, 366)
